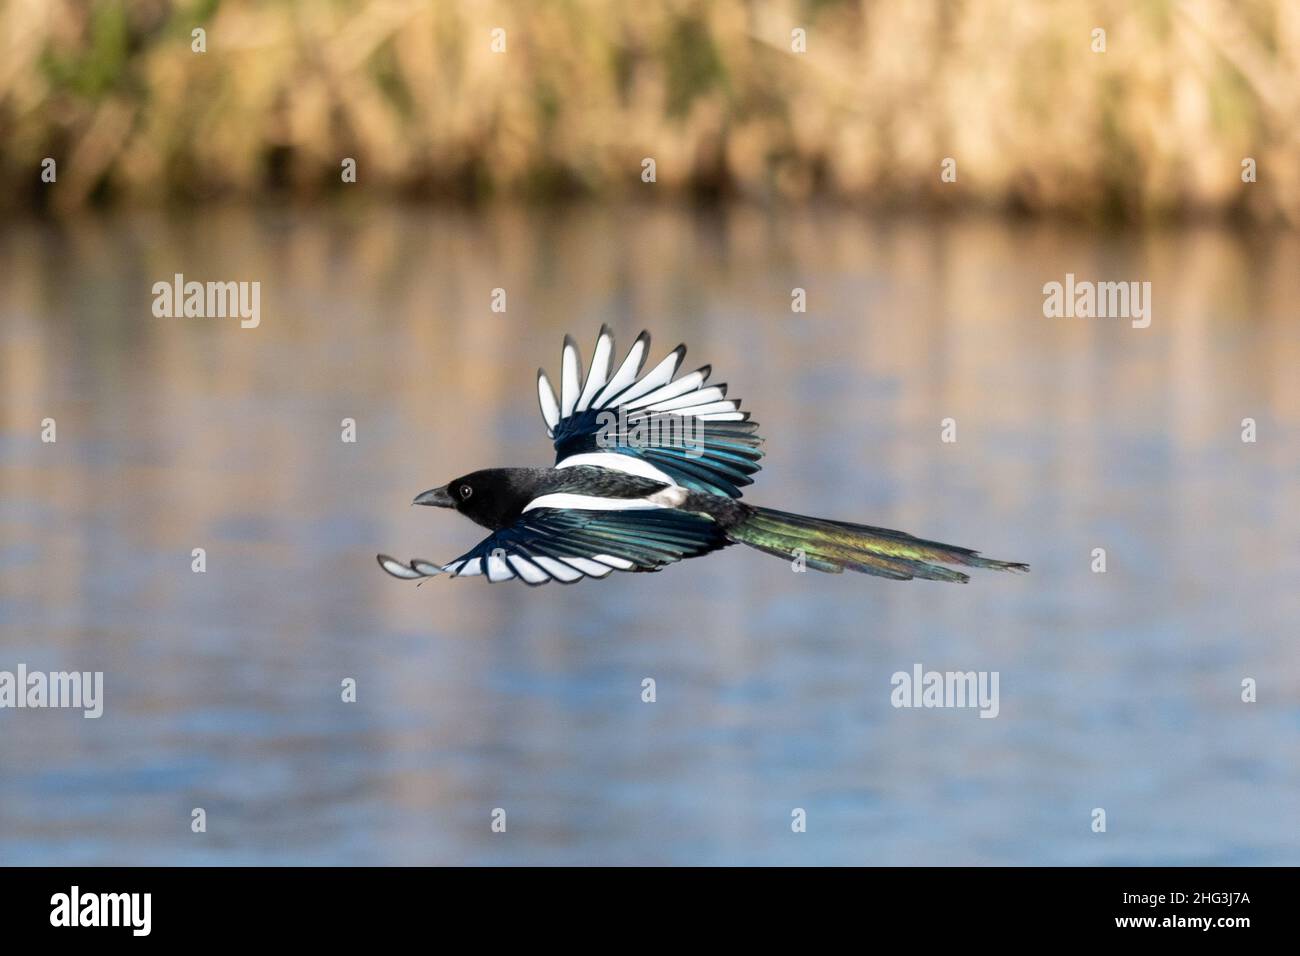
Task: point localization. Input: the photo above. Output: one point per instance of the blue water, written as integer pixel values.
(1119, 691)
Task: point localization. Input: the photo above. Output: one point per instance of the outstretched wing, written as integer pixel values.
(678, 431)
(557, 544)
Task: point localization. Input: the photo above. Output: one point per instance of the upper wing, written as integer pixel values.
(673, 430)
(554, 544)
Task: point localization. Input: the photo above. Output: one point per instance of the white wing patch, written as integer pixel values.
(399, 570)
(527, 570)
(687, 383)
(591, 503)
(699, 397)
(497, 569)
(598, 375)
(590, 567)
(546, 398)
(655, 391)
(534, 569)
(657, 377)
(564, 573)
(627, 372)
(569, 372)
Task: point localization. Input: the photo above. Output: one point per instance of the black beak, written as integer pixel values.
(437, 497)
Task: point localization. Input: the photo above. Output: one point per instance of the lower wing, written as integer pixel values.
(566, 545)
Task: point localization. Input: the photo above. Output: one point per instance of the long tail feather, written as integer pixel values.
(835, 545)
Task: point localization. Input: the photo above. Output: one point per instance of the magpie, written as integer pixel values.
(648, 471)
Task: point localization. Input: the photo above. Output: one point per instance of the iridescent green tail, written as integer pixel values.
(833, 546)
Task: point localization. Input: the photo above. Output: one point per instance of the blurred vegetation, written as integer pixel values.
(1157, 125)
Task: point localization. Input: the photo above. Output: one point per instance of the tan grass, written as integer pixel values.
(1158, 124)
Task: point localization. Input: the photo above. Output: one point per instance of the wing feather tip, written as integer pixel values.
(397, 569)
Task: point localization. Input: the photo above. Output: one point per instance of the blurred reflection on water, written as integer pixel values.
(1119, 690)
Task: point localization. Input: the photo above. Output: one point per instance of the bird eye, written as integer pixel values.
(465, 491)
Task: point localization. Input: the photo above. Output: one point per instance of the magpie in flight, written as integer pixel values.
(648, 471)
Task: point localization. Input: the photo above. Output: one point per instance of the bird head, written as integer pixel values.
(486, 497)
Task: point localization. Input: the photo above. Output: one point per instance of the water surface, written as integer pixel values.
(1118, 690)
